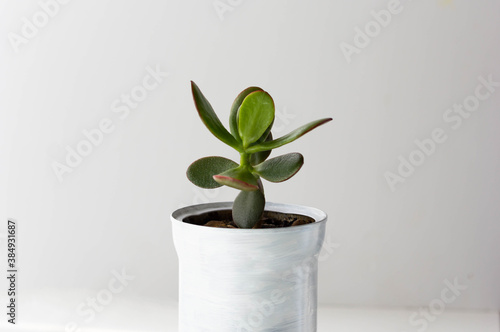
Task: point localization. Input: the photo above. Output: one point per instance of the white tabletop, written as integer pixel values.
(339, 319)
(53, 314)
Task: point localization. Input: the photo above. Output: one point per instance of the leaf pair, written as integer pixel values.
(252, 115)
(213, 172)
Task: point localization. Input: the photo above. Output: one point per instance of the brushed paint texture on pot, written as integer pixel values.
(248, 279)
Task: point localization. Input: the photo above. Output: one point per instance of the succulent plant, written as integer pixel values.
(250, 123)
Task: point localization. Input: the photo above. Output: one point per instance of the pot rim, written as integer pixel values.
(318, 215)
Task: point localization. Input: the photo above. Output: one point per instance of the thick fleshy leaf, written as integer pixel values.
(248, 208)
(290, 137)
(238, 178)
(280, 168)
(211, 120)
(233, 116)
(257, 158)
(255, 116)
(201, 171)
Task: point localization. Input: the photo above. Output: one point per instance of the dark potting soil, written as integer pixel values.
(270, 219)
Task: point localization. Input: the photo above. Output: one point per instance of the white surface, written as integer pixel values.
(112, 211)
(127, 316)
(336, 319)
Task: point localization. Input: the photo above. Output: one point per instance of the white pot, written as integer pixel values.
(242, 280)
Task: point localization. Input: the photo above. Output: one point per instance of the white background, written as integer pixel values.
(111, 212)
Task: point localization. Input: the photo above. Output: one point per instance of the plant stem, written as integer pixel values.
(245, 159)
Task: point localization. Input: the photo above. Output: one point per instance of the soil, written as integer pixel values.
(224, 219)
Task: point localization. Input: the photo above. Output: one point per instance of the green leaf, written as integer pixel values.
(290, 137)
(280, 168)
(255, 116)
(248, 208)
(233, 116)
(258, 157)
(211, 120)
(201, 171)
(238, 178)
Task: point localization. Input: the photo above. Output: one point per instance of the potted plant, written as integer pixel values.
(247, 265)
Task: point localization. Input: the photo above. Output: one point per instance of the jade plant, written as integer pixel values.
(250, 123)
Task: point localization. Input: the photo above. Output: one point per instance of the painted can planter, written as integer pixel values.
(243, 280)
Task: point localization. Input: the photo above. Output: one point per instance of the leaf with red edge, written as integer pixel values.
(233, 116)
(255, 115)
(288, 138)
(238, 178)
(201, 171)
(211, 120)
(280, 168)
